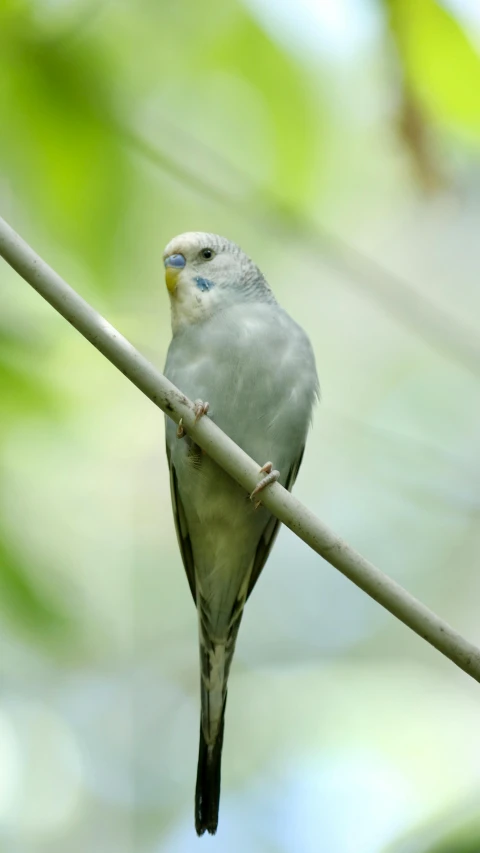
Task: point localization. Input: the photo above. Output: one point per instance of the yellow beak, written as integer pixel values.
(171, 276)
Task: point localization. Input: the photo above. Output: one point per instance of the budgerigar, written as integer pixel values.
(250, 368)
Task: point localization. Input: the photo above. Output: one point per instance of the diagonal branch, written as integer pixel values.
(231, 458)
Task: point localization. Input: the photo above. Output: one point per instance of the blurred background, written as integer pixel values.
(338, 142)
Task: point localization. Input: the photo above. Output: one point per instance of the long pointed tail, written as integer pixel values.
(216, 652)
(207, 792)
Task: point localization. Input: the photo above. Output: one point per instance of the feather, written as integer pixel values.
(234, 346)
(271, 530)
(181, 527)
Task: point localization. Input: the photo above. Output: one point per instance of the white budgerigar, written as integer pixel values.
(248, 365)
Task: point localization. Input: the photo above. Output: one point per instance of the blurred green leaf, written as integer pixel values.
(245, 49)
(24, 389)
(25, 602)
(55, 148)
(458, 835)
(229, 84)
(439, 61)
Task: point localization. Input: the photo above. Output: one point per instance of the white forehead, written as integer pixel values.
(193, 241)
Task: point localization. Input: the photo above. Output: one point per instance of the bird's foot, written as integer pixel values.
(271, 477)
(201, 409)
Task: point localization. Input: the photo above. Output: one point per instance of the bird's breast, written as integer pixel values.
(252, 366)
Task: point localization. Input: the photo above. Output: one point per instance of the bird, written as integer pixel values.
(251, 368)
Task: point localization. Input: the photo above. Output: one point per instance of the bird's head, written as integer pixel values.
(204, 273)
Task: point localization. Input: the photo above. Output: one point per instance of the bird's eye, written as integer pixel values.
(207, 254)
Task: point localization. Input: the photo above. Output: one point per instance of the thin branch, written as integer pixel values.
(231, 458)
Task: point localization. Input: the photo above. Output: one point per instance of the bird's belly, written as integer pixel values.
(261, 396)
(224, 529)
(255, 407)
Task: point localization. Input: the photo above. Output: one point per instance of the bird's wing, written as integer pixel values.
(271, 529)
(181, 527)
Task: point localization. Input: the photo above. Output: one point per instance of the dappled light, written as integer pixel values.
(338, 144)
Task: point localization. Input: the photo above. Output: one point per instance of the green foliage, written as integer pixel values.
(209, 69)
(24, 389)
(247, 51)
(439, 61)
(58, 152)
(118, 122)
(462, 836)
(27, 603)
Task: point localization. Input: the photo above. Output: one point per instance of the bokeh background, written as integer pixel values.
(337, 142)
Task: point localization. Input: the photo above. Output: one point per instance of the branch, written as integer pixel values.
(231, 458)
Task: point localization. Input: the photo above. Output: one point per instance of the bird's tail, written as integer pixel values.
(216, 654)
(207, 792)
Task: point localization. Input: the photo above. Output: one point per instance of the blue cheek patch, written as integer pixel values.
(203, 284)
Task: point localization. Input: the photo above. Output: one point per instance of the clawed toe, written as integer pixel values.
(271, 477)
(267, 468)
(201, 409)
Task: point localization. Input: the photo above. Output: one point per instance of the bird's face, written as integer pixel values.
(203, 272)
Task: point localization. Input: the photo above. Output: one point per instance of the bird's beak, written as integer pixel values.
(173, 266)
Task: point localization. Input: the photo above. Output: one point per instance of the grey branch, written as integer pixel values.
(231, 458)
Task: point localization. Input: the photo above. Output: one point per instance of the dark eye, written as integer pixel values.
(207, 254)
